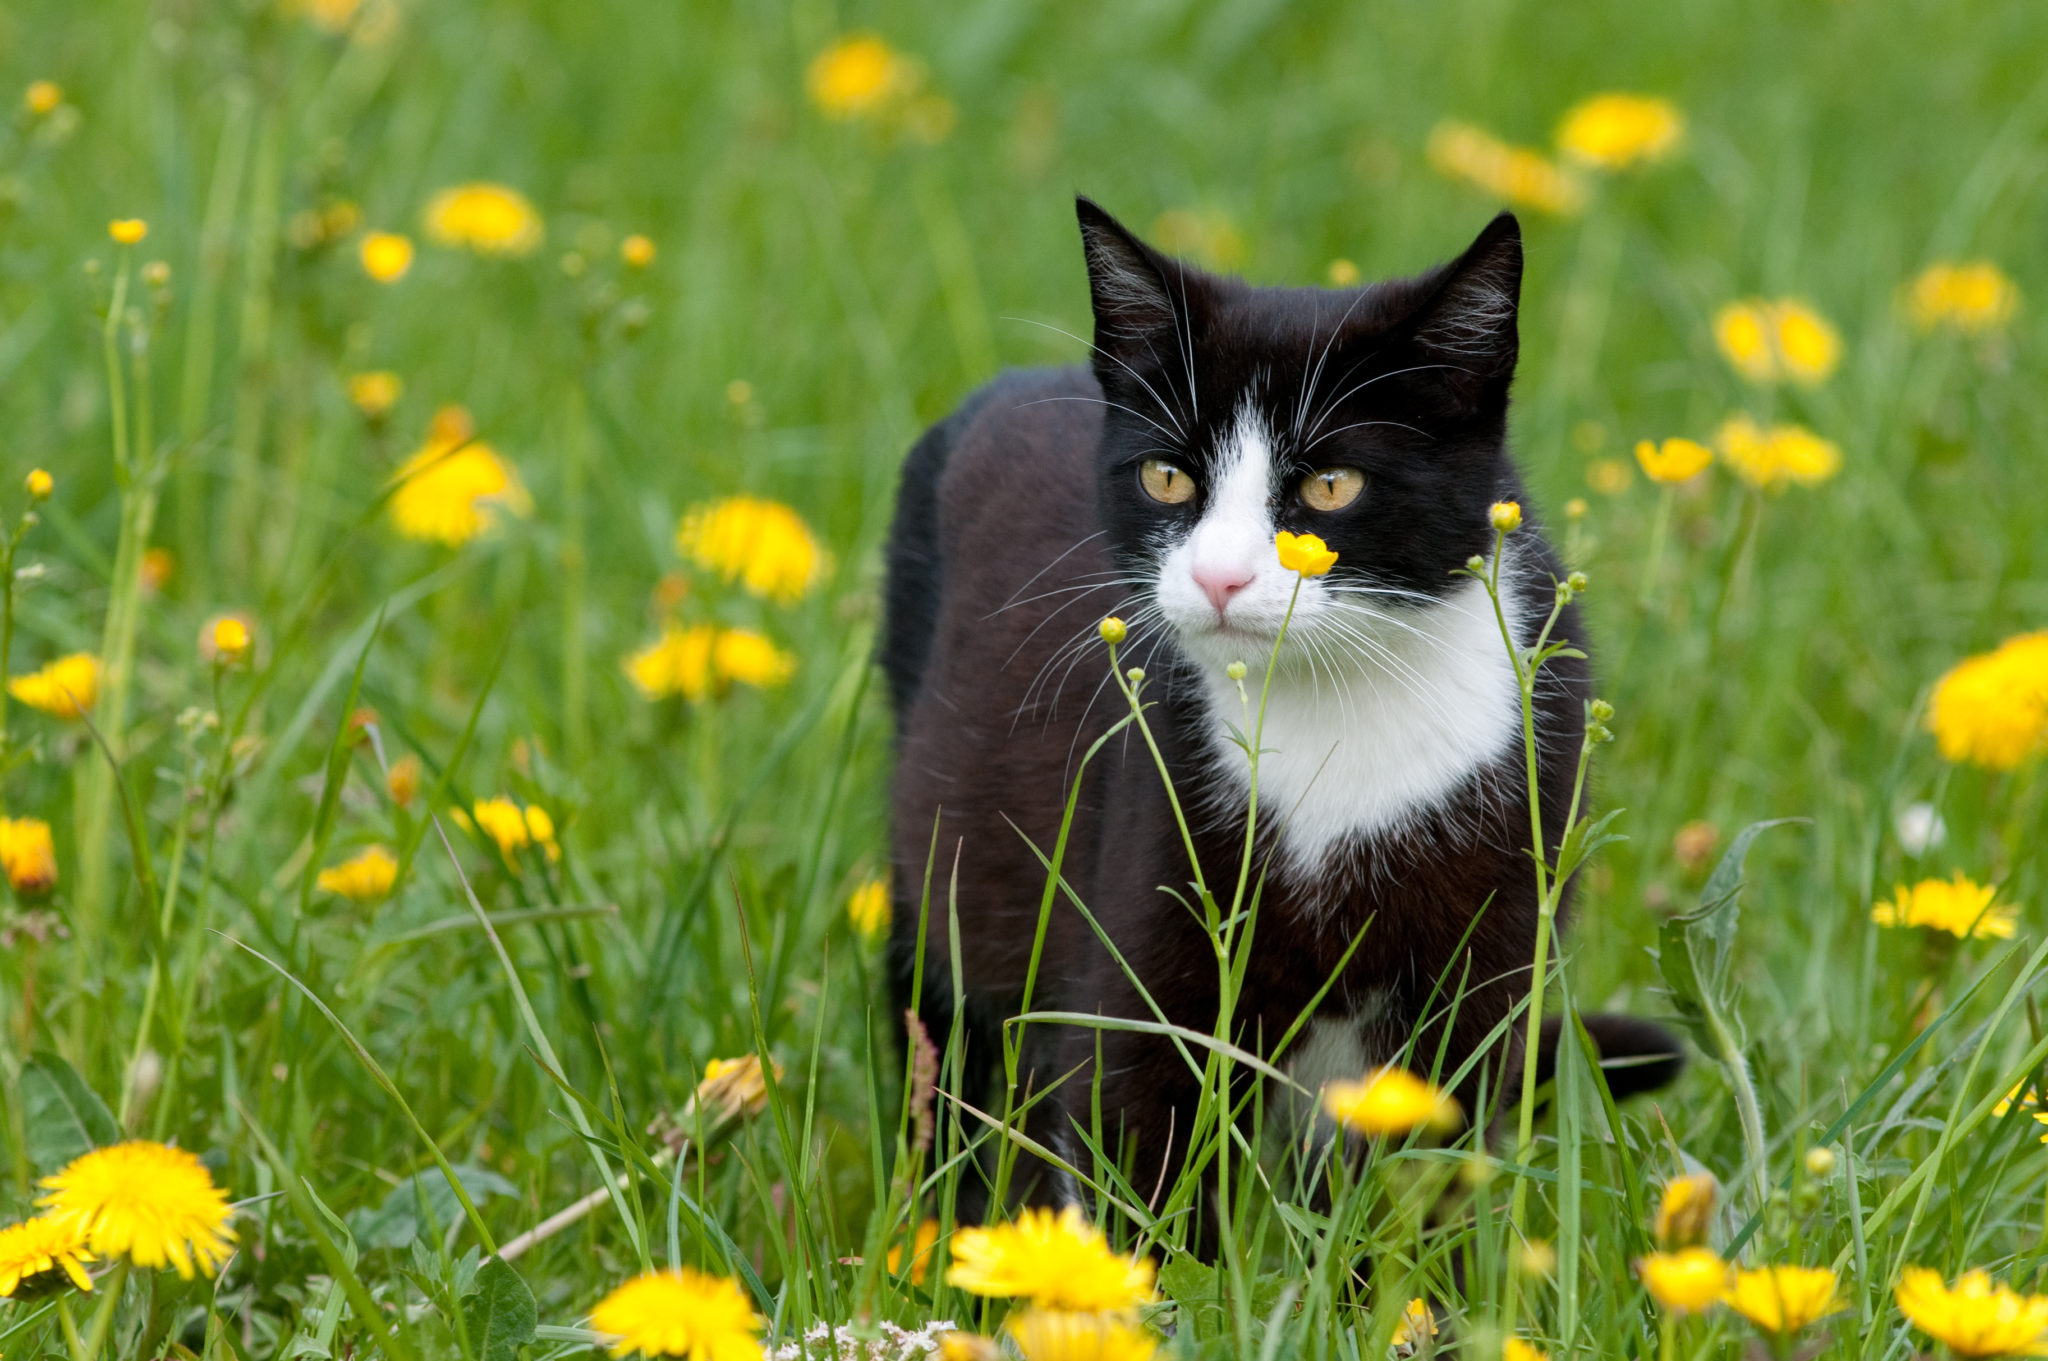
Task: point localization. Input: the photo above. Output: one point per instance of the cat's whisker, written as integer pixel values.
(1098, 350)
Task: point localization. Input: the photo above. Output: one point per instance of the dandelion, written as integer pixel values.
(28, 855)
(35, 1250)
(957, 1346)
(1342, 273)
(637, 251)
(148, 1202)
(375, 392)
(66, 688)
(364, 877)
(386, 256)
(858, 76)
(1675, 460)
(734, 1087)
(451, 490)
(1517, 1349)
(1617, 131)
(1785, 1299)
(506, 823)
(1055, 1335)
(1304, 553)
(39, 484)
(1203, 234)
(868, 908)
(680, 1312)
(1525, 178)
(1956, 905)
(1991, 710)
(1505, 516)
(127, 231)
(747, 658)
(1973, 298)
(1773, 458)
(1770, 341)
(1390, 1100)
(1058, 1261)
(677, 663)
(1417, 1323)
(1974, 1317)
(764, 545)
(402, 781)
(225, 640)
(1684, 1211)
(42, 97)
(926, 1238)
(1685, 1282)
(490, 219)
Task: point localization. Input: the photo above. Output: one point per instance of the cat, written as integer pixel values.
(1392, 789)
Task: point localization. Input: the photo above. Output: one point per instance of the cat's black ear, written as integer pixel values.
(1467, 320)
(1128, 282)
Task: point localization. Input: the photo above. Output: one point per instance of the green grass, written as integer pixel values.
(861, 284)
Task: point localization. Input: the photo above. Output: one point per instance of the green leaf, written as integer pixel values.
(424, 1203)
(62, 1116)
(501, 1316)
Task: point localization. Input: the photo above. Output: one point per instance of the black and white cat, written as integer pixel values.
(1392, 789)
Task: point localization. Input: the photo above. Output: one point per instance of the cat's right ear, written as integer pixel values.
(1128, 283)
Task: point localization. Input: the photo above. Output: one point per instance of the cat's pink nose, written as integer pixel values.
(1221, 583)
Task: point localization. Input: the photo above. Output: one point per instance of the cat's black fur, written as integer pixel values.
(1021, 522)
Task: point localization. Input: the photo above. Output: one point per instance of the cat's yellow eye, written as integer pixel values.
(1331, 488)
(1165, 483)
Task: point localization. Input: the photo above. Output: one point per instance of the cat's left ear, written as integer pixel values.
(1467, 322)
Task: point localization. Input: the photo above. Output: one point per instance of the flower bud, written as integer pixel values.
(1235, 671)
(1475, 563)
(230, 639)
(1685, 1211)
(1505, 516)
(1599, 733)
(40, 484)
(1113, 630)
(1135, 674)
(1820, 1162)
(1578, 582)
(157, 273)
(1601, 711)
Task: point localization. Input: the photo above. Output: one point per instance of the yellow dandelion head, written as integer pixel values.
(1688, 1281)
(28, 855)
(637, 251)
(1517, 1349)
(1973, 1317)
(1617, 131)
(1303, 553)
(1391, 1100)
(1206, 235)
(490, 219)
(1785, 1299)
(226, 639)
(734, 1087)
(1774, 458)
(1342, 273)
(762, 544)
(364, 877)
(969, 1347)
(1685, 1211)
(1991, 710)
(127, 231)
(1417, 1322)
(1675, 460)
(1957, 905)
(402, 781)
(680, 1312)
(743, 657)
(40, 1254)
(677, 663)
(452, 489)
(868, 908)
(386, 256)
(1059, 1335)
(1973, 298)
(921, 1246)
(42, 97)
(66, 688)
(1055, 1260)
(505, 823)
(374, 393)
(860, 75)
(1770, 341)
(1524, 178)
(151, 1203)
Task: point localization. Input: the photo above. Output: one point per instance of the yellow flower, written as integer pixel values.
(66, 688)
(1616, 131)
(402, 781)
(41, 97)
(333, 16)
(1773, 458)
(490, 219)
(39, 484)
(127, 231)
(157, 566)
(1684, 1211)
(1057, 1261)
(1992, 709)
(764, 545)
(859, 75)
(678, 663)
(926, 1239)
(226, 640)
(968, 1347)
(1342, 273)
(42, 1247)
(680, 1312)
(1203, 234)
(506, 823)
(1972, 298)
(386, 256)
(1676, 460)
(28, 855)
(1516, 1349)
(1784, 1299)
(376, 392)
(1417, 1322)
(449, 492)
(734, 1087)
(1608, 476)
(868, 908)
(1304, 553)
(1505, 516)
(1390, 1100)
(1525, 178)
(746, 657)
(1057, 1335)
(1974, 1317)
(148, 1202)
(1767, 341)
(365, 876)
(1685, 1282)
(1956, 905)
(637, 251)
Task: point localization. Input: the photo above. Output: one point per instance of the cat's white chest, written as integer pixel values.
(1381, 728)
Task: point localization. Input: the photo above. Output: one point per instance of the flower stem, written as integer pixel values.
(103, 1316)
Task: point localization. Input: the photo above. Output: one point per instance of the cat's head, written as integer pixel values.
(1373, 417)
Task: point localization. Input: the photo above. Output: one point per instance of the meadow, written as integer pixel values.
(458, 828)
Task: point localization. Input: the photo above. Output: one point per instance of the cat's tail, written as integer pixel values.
(1635, 1055)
